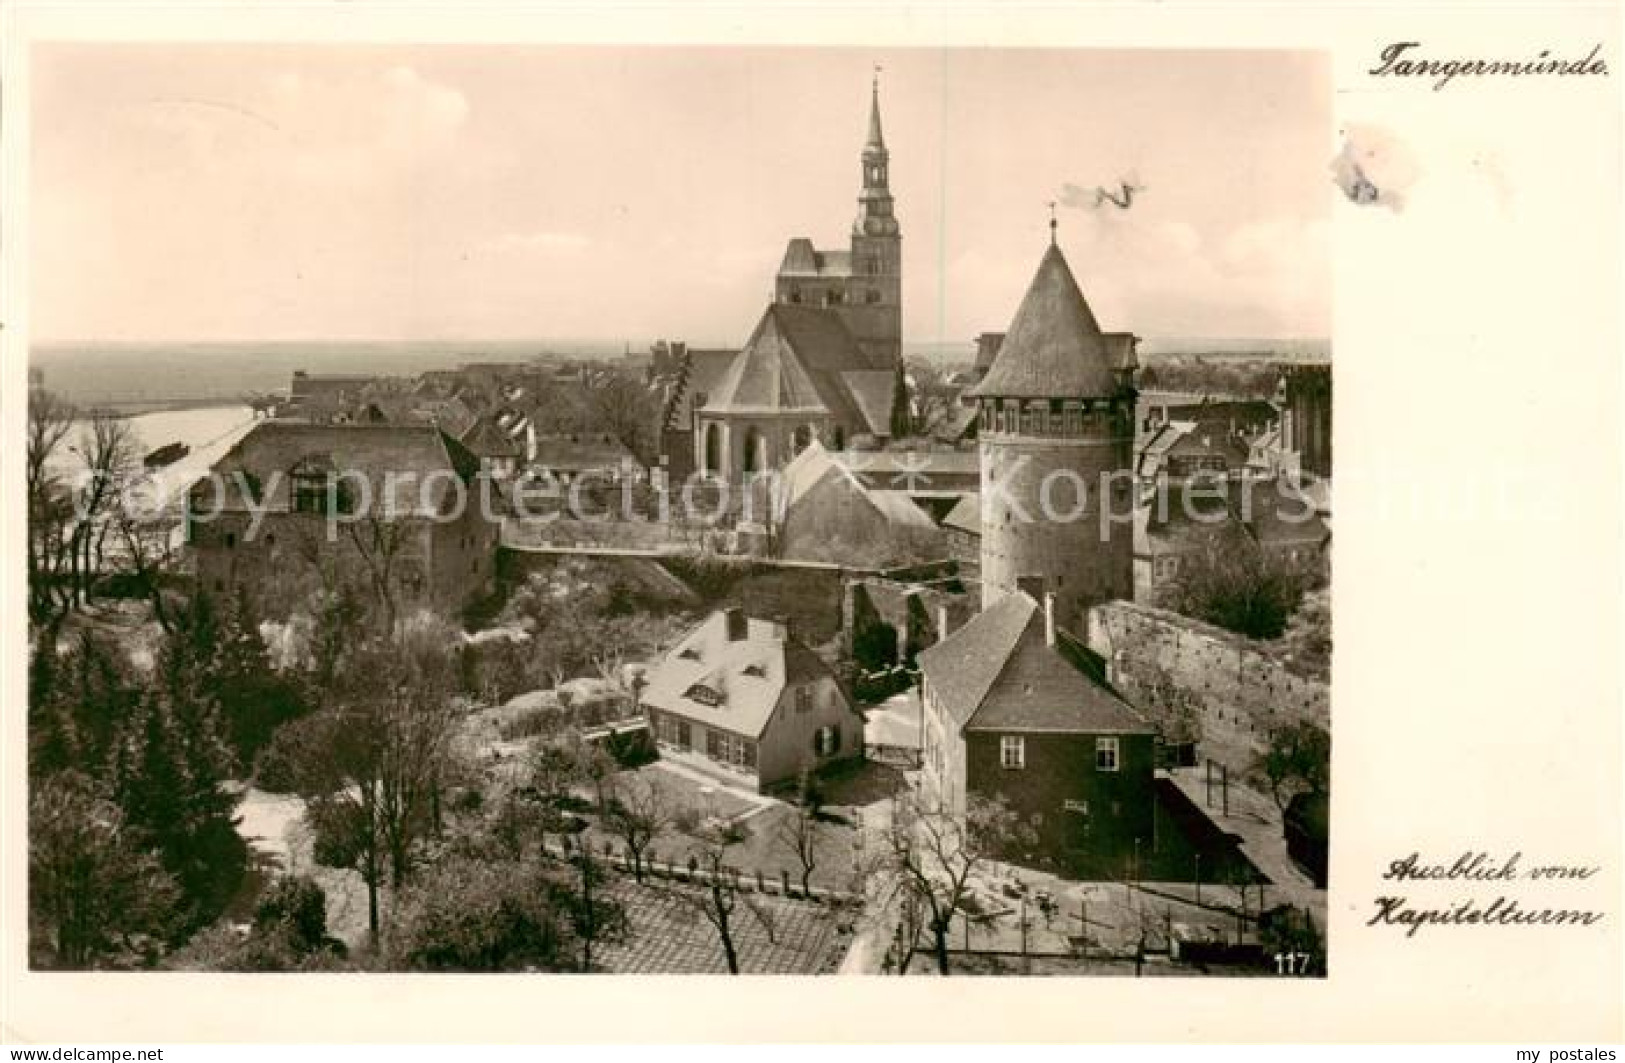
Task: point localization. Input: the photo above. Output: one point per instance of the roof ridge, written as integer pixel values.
(1004, 665)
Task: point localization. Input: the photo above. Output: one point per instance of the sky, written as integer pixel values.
(300, 192)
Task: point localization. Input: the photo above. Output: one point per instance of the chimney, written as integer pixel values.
(942, 622)
(1049, 618)
(737, 624)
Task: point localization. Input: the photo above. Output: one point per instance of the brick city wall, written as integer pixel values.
(1237, 688)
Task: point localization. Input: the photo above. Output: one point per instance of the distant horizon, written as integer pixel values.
(638, 345)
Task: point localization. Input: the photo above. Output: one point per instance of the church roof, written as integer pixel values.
(799, 257)
(872, 390)
(802, 259)
(1054, 347)
(795, 360)
(999, 673)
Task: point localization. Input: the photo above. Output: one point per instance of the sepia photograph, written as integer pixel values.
(677, 510)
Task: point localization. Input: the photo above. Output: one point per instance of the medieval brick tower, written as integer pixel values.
(863, 285)
(1057, 439)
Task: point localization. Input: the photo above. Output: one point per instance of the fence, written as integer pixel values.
(691, 873)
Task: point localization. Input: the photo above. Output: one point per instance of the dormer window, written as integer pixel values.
(703, 694)
(690, 654)
(755, 670)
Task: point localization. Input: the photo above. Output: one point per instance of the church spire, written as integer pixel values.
(876, 141)
(874, 199)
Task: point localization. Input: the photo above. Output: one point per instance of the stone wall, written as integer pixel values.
(910, 602)
(1237, 689)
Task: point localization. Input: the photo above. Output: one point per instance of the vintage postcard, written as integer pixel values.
(839, 497)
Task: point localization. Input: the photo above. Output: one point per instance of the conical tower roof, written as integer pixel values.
(1054, 347)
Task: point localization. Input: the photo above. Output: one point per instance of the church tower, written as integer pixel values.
(1056, 424)
(862, 284)
(877, 251)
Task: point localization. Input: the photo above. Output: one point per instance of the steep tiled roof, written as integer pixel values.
(1054, 347)
(570, 453)
(872, 390)
(745, 677)
(488, 440)
(707, 369)
(964, 666)
(966, 515)
(801, 259)
(814, 465)
(397, 456)
(998, 673)
(794, 361)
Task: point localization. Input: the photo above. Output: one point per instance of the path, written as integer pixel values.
(1256, 823)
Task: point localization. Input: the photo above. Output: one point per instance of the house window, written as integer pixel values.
(1105, 754)
(317, 490)
(731, 749)
(803, 699)
(827, 741)
(1073, 805)
(1013, 751)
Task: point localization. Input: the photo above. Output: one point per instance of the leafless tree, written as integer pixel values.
(50, 511)
(932, 856)
(146, 553)
(628, 410)
(379, 540)
(719, 897)
(638, 812)
(799, 835)
(109, 455)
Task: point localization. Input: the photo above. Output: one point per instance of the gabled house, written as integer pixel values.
(395, 510)
(1015, 709)
(962, 528)
(830, 515)
(1182, 519)
(752, 699)
(499, 452)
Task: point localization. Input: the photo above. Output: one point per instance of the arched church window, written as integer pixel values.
(713, 448)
